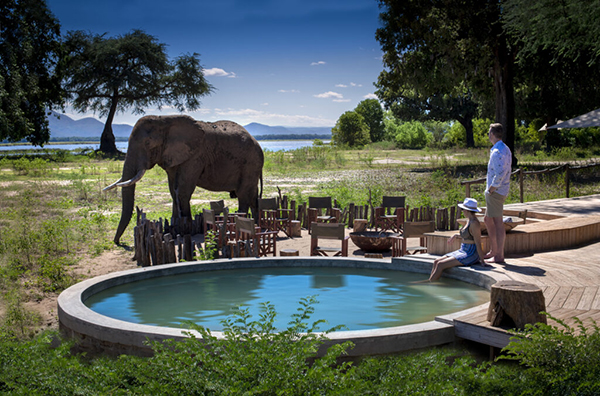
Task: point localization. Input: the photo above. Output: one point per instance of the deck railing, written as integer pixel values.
(567, 168)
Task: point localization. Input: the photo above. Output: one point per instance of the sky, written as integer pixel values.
(275, 62)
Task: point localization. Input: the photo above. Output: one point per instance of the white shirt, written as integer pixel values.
(499, 167)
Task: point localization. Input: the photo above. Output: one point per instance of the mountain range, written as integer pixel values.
(63, 126)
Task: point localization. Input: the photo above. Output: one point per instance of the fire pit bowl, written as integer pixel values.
(373, 241)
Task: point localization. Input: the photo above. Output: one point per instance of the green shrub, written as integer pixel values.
(412, 135)
(253, 358)
(564, 360)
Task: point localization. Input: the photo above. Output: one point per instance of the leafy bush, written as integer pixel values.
(253, 358)
(563, 360)
(412, 135)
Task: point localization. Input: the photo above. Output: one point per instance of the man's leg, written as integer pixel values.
(500, 239)
(490, 225)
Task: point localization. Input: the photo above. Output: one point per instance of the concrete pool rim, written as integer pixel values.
(111, 336)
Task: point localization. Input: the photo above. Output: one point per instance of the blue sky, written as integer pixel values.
(276, 62)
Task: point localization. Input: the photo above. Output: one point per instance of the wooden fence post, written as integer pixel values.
(521, 185)
(567, 178)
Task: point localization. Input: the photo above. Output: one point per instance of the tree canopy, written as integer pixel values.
(30, 54)
(372, 113)
(350, 130)
(131, 71)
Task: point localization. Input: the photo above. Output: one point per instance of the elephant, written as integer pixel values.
(217, 156)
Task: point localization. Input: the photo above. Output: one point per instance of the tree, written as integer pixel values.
(107, 75)
(557, 76)
(372, 112)
(30, 53)
(568, 29)
(351, 130)
(464, 41)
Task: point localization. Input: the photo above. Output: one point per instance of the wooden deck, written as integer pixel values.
(569, 278)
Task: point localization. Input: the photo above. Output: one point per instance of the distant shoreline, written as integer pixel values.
(83, 140)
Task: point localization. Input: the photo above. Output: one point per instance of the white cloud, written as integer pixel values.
(318, 63)
(355, 85)
(216, 72)
(341, 86)
(288, 91)
(370, 96)
(330, 94)
(341, 100)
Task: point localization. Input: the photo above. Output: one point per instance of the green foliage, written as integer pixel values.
(371, 111)
(30, 72)
(33, 167)
(210, 250)
(17, 320)
(412, 135)
(253, 358)
(350, 130)
(563, 360)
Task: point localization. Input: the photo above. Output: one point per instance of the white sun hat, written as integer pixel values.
(470, 204)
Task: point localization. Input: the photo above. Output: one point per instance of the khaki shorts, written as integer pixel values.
(494, 204)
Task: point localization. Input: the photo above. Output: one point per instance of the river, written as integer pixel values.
(271, 145)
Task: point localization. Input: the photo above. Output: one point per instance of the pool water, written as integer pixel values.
(358, 298)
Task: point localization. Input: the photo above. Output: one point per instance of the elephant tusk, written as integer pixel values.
(134, 180)
(112, 185)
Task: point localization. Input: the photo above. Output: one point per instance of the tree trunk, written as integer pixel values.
(505, 95)
(467, 123)
(107, 140)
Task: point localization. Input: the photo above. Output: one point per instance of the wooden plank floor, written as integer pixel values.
(570, 279)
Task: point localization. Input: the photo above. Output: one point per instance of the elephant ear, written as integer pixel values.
(182, 142)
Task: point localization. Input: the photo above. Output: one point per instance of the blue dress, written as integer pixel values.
(467, 254)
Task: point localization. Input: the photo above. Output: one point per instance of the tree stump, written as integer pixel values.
(296, 229)
(516, 301)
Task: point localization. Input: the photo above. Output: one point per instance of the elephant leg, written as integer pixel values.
(248, 198)
(181, 193)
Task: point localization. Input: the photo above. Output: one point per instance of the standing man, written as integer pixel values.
(498, 183)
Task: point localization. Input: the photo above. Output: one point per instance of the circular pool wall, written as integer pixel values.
(98, 332)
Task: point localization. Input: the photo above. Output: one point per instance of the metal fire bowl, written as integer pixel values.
(373, 241)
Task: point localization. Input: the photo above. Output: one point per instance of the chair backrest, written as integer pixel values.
(267, 204)
(393, 202)
(414, 229)
(217, 206)
(243, 224)
(319, 202)
(328, 230)
(209, 216)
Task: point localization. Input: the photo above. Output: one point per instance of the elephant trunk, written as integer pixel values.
(128, 198)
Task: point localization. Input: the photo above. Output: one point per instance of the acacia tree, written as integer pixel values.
(29, 69)
(107, 75)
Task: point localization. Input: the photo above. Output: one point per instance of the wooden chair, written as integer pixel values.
(390, 215)
(413, 229)
(261, 243)
(335, 231)
(217, 207)
(271, 218)
(315, 208)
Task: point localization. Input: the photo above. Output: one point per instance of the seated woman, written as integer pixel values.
(470, 251)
